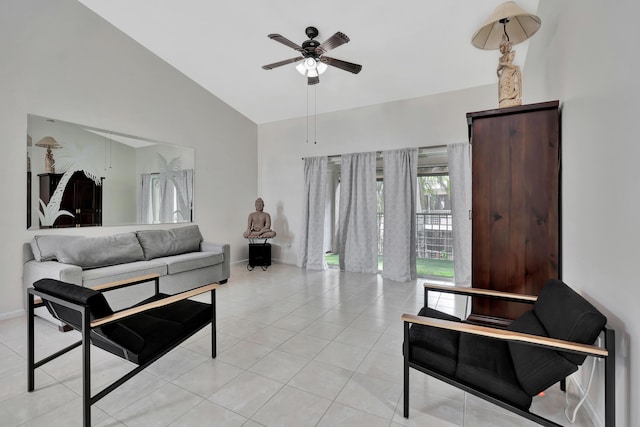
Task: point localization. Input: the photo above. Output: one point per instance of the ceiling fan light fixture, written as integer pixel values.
(311, 68)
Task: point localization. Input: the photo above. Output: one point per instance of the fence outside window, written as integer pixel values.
(434, 239)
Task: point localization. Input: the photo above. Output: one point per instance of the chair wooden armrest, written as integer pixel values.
(126, 282)
(155, 304)
(478, 292)
(504, 335)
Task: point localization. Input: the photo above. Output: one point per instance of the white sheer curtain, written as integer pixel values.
(145, 212)
(167, 199)
(399, 192)
(459, 159)
(358, 245)
(184, 195)
(311, 255)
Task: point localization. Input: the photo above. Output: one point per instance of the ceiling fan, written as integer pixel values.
(312, 54)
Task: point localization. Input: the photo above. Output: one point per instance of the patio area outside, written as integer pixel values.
(434, 247)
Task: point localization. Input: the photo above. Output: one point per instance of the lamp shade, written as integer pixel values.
(311, 67)
(520, 26)
(48, 142)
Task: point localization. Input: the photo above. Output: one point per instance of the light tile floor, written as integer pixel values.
(295, 348)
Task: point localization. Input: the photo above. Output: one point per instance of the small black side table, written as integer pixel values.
(259, 253)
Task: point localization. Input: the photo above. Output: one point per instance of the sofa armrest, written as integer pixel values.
(214, 247)
(225, 248)
(33, 271)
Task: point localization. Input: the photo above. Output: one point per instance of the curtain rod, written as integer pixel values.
(421, 150)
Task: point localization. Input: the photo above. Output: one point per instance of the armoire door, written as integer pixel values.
(515, 204)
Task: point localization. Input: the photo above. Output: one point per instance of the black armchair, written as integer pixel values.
(141, 334)
(509, 366)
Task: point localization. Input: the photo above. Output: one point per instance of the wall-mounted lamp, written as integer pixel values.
(50, 144)
(507, 25)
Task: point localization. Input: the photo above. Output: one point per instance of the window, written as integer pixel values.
(434, 245)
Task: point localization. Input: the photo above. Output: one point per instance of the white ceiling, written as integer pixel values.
(407, 48)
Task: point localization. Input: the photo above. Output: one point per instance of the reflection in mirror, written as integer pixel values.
(81, 176)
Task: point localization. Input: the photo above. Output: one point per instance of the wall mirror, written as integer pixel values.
(81, 176)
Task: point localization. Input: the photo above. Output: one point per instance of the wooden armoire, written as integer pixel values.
(82, 197)
(515, 204)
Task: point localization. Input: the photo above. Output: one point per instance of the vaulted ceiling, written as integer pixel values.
(408, 48)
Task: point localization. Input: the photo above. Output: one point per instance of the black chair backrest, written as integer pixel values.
(568, 316)
(98, 305)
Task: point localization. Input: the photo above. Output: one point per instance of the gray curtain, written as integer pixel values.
(459, 159)
(358, 245)
(311, 255)
(145, 213)
(399, 192)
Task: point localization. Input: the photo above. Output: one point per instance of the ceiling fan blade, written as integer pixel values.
(313, 80)
(281, 63)
(285, 41)
(343, 65)
(338, 39)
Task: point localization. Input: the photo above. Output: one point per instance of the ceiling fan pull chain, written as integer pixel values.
(307, 114)
(315, 115)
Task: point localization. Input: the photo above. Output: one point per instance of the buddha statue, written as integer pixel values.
(259, 223)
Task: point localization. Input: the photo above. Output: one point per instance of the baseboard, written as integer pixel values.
(12, 314)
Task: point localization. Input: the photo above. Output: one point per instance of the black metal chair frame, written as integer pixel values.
(87, 326)
(607, 352)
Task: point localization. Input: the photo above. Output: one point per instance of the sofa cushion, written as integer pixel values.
(537, 368)
(44, 246)
(434, 348)
(567, 316)
(114, 273)
(92, 252)
(191, 261)
(161, 243)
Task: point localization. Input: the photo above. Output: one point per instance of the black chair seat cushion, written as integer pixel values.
(434, 348)
(138, 338)
(567, 316)
(485, 364)
(146, 334)
(536, 368)
(193, 315)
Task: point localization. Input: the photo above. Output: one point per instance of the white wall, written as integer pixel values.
(61, 60)
(417, 122)
(583, 56)
(586, 56)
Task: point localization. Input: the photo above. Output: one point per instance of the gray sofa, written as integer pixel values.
(179, 255)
